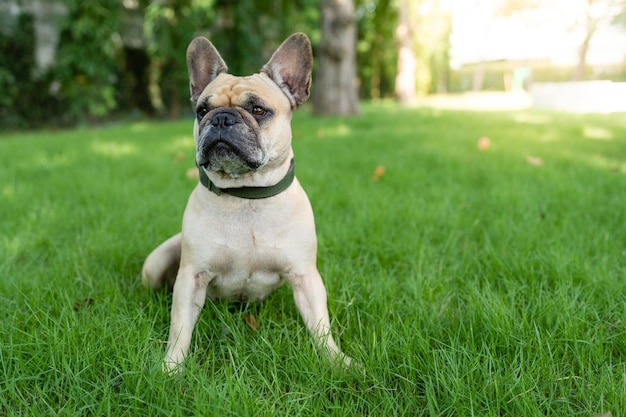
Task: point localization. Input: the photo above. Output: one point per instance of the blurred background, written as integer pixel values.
(68, 62)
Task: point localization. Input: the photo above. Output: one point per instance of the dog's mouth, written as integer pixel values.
(221, 155)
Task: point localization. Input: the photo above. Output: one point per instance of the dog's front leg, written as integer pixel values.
(310, 297)
(187, 301)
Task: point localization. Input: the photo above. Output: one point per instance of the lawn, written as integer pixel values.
(466, 276)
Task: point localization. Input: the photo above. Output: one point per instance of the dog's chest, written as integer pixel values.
(246, 249)
(245, 273)
(242, 259)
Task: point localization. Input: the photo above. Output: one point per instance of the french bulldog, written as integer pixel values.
(248, 226)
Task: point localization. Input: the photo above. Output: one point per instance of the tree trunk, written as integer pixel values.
(407, 60)
(134, 63)
(335, 86)
(581, 66)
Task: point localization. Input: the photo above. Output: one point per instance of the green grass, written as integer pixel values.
(465, 281)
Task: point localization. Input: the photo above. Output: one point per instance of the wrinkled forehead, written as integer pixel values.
(229, 90)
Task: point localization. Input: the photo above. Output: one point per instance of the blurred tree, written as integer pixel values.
(335, 87)
(584, 16)
(376, 47)
(133, 87)
(44, 82)
(437, 36)
(169, 27)
(406, 77)
(422, 35)
(122, 55)
(17, 61)
(86, 65)
(139, 61)
(28, 40)
(247, 32)
(597, 14)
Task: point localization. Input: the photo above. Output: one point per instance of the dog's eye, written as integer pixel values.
(258, 111)
(201, 112)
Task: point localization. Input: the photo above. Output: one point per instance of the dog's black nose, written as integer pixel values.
(224, 119)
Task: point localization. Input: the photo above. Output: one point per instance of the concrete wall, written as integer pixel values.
(580, 97)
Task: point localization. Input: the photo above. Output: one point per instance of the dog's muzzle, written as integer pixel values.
(227, 138)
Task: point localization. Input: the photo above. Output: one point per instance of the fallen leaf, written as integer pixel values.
(251, 321)
(80, 304)
(378, 172)
(534, 160)
(603, 415)
(192, 173)
(320, 133)
(483, 143)
(180, 156)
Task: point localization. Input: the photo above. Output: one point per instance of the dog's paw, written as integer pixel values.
(345, 362)
(171, 367)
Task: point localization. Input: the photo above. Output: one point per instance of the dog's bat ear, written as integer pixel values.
(290, 68)
(204, 64)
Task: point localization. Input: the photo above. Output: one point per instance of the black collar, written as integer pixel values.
(252, 193)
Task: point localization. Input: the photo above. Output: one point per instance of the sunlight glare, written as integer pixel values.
(597, 133)
(114, 149)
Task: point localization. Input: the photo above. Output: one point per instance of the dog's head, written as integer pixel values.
(243, 123)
